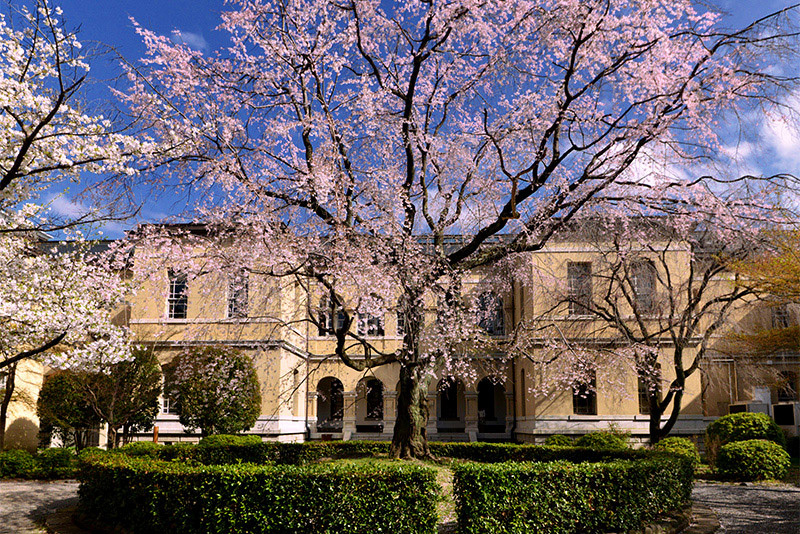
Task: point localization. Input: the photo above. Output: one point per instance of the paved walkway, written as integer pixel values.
(24, 503)
(752, 508)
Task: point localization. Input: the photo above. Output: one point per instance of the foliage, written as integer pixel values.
(741, 427)
(125, 394)
(63, 409)
(561, 497)
(45, 464)
(217, 440)
(753, 459)
(269, 452)
(215, 389)
(16, 463)
(162, 497)
(141, 448)
(356, 128)
(678, 445)
(601, 440)
(56, 463)
(559, 440)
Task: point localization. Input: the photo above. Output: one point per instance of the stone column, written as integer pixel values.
(471, 416)
(389, 412)
(430, 428)
(509, 410)
(312, 410)
(349, 421)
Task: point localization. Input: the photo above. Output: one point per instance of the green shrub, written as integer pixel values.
(601, 440)
(678, 445)
(754, 459)
(559, 440)
(741, 427)
(56, 463)
(218, 440)
(141, 448)
(561, 497)
(87, 452)
(17, 463)
(146, 495)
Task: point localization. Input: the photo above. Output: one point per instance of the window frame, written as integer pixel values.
(579, 289)
(238, 296)
(177, 299)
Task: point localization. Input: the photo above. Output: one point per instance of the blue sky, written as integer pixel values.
(108, 21)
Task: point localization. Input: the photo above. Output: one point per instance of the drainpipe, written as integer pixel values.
(308, 366)
(514, 376)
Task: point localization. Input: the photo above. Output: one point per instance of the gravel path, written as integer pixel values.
(752, 508)
(24, 503)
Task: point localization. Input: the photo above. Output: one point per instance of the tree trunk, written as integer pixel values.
(111, 438)
(410, 438)
(6, 401)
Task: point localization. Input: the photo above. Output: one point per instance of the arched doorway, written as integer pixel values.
(369, 405)
(330, 404)
(451, 406)
(491, 406)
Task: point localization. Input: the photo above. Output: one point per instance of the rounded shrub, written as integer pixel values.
(17, 463)
(601, 440)
(741, 427)
(559, 440)
(681, 446)
(228, 440)
(754, 459)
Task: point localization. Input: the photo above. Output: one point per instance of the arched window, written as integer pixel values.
(330, 404)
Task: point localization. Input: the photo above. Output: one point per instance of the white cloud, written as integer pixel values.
(63, 207)
(191, 39)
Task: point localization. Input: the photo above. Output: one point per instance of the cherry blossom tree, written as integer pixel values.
(329, 137)
(655, 295)
(50, 133)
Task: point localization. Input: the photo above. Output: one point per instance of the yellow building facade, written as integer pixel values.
(307, 393)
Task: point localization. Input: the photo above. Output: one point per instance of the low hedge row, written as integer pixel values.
(147, 495)
(223, 452)
(562, 497)
(46, 463)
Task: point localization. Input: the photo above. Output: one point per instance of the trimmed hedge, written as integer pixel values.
(559, 440)
(755, 459)
(741, 427)
(563, 498)
(153, 496)
(601, 440)
(17, 463)
(272, 452)
(678, 445)
(46, 463)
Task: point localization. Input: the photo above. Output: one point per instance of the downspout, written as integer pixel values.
(308, 364)
(513, 431)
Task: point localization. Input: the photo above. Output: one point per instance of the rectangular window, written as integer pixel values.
(643, 284)
(167, 406)
(370, 325)
(178, 299)
(238, 295)
(491, 314)
(780, 316)
(646, 385)
(329, 318)
(584, 397)
(401, 324)
(579, 279)
(787, 387)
